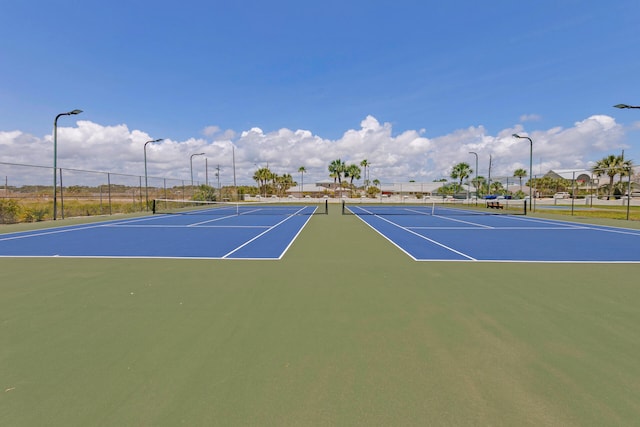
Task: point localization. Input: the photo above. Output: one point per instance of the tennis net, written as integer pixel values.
(194, 207)
(435, 208)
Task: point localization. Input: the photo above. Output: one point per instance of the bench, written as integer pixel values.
(494, 205)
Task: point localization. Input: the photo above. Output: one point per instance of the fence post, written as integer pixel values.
(109, 191)
(573, 191)
(61, 196)
(146, 207)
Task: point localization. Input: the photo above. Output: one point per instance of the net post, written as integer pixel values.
(326, 207)
(525, 206)
(153, 206)
(343, 207)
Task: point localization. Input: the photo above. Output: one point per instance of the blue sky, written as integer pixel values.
(449, 77)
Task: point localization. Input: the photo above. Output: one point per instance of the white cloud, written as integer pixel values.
(210, 130)
(216, 131)
(530, 118)
(408, 155)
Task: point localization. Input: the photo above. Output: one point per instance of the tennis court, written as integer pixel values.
(204, 231)
(444, 233)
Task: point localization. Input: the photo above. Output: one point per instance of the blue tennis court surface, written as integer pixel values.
(221, 236)
(506, 238)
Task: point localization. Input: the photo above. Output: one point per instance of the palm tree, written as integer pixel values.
(376, 182)
(352, 172)
(461, 171)
(302, 170)
(365, 165)
(496, 187)
(610, 165)
(481, 185)
(282, 183)
(262, 176)
(520, 173)
(625, 167)
(337, 168)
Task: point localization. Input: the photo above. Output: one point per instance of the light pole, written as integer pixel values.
(55, 158)
(476, 184)
(489, 177)
(630, 170)
(191, 163)
(146, 185)
(515, 135)
(233, 160)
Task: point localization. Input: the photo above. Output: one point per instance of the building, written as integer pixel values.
(583, 178)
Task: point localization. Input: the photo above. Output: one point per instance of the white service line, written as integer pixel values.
(428, 239)
(464, 222)
(261, 234)
(195, 224)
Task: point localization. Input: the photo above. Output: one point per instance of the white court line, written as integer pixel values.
(295, 237)
(495, 228)
(71, 228)
(261, 234)
(464, 222)
(187, 226)
(580, 226)
(195, 224)
(420, 236)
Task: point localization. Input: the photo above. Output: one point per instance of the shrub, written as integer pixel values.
(9, 211)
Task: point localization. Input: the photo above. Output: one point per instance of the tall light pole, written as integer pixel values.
(191, 163)
(55, 158)
(146, 184)
(489, 177)
(515, 135)
(218, 177)
(476, 184)
(630, 170)
(233, 159)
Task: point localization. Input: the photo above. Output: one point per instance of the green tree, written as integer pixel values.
(205, 193)
(626, 169)
(302, 171)
(365, 164)
(609, 165)
(449, 189)
(481, 185)
(352, 172)
(337, 169)
(262, 176)
(520, 173)
(282, 183)
(377, 188)
(461, 171)
(497, 188)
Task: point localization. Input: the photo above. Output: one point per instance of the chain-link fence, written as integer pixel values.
(27, 192)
